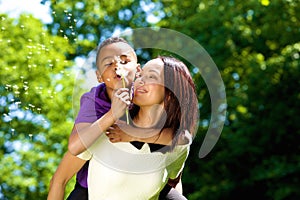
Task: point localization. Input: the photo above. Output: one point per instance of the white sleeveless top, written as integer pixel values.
(122, 171)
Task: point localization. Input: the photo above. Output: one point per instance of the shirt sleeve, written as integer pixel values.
(87, 111)
(177, 163)
(86, 155)
(178, 156)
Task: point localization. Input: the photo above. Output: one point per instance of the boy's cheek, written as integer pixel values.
(131, 66)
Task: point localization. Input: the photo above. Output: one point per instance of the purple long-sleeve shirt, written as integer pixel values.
(93, 105)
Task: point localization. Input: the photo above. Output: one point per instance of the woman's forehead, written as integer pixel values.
(155, 64)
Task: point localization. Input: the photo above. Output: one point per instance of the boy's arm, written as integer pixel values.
(121, 132)
(85, 134)
(68, 166)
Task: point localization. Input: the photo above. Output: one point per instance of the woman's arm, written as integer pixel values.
(68, 166)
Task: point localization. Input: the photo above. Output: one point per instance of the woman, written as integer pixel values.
(164, 98)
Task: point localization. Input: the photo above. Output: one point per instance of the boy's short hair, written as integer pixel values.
(109, 41)
(112, 40)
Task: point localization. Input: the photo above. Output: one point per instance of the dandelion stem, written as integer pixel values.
(126, 111)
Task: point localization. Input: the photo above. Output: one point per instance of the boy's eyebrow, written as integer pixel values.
(107, 57)
(112, 57)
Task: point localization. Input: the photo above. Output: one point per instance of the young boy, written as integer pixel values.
(95, 115)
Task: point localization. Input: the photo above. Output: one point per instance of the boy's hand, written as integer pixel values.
(120, 100)
(116, 134)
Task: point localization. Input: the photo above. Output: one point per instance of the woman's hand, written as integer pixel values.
(116, 134)
(120, 101)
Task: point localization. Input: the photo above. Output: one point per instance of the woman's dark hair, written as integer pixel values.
(180, 103)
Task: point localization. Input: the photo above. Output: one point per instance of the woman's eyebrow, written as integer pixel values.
(153, 70)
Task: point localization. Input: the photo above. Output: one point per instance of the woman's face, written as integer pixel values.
(149, 88)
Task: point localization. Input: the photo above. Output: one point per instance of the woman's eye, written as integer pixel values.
(138, 75)
(152, 77)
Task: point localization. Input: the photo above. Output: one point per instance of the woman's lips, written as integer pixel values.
(141, 90)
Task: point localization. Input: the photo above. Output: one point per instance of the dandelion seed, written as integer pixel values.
(39, 110)
(18, 103)
(7, 87)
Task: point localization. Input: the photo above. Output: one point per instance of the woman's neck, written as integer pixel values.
(148, 116)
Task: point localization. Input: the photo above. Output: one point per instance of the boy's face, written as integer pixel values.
(107, 64)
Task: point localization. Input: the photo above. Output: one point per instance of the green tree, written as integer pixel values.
(36, 82)
(255, 44)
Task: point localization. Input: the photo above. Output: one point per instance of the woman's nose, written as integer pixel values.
(139, 82)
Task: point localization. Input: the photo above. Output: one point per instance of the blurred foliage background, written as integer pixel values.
(255, 45)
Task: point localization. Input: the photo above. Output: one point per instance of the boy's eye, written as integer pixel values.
(123, 62)
(108, 64)
(124, 59)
